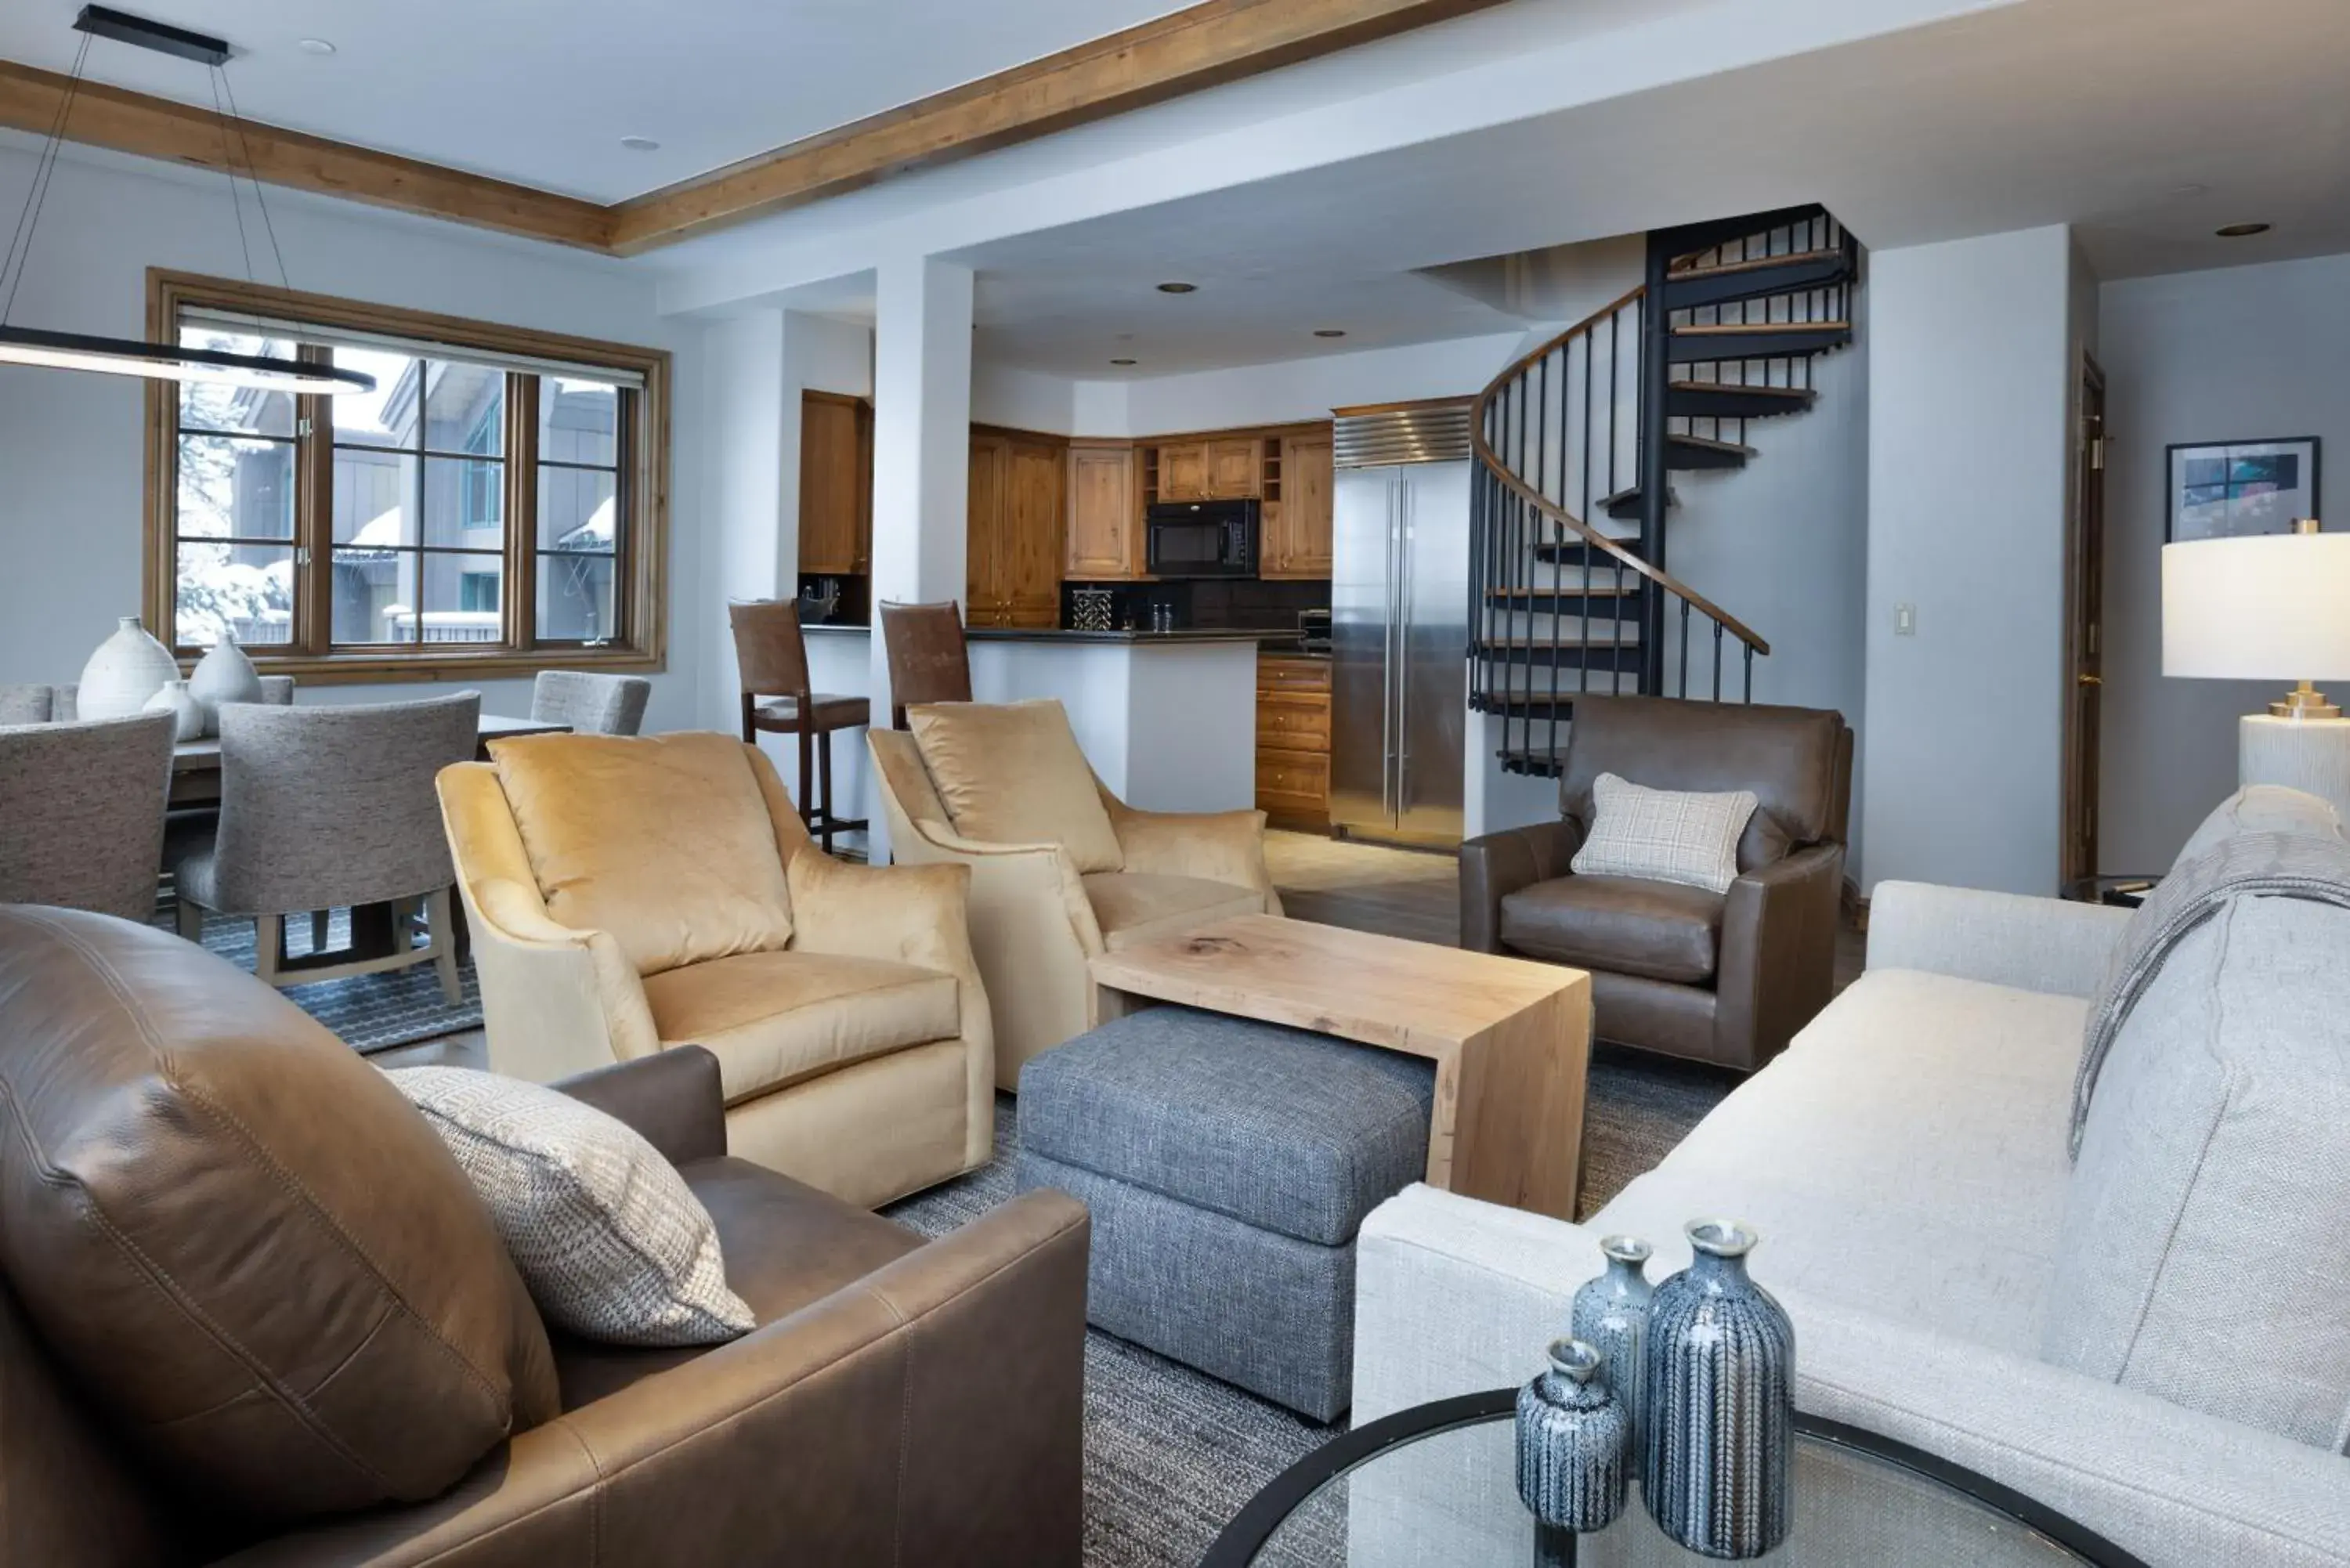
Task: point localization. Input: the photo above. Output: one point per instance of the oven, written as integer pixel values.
(1202, 538)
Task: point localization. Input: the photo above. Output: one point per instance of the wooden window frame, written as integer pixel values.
(640, 642)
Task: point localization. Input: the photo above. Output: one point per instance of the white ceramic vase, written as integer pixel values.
(223, 675)
(126, 668)
(176, 699)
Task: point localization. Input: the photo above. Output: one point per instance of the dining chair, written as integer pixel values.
(773, 657)
(590, 704)
(329, 808)
(81, 812)
(929, 661)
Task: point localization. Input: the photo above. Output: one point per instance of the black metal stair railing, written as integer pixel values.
(1564, 603)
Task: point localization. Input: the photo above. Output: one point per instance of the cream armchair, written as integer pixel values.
(627, 895)
(1036, 920)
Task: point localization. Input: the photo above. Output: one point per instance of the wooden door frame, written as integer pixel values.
(2085, 516)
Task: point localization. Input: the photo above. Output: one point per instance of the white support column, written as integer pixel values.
(922, 452)
(752, 543)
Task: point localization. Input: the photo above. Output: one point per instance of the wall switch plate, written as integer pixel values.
(1905, 620)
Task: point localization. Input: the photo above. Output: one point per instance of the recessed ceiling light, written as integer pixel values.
(1330, 332)
(1121, 361)
(1178, 288)
(2242, 231)
(315, 47)
(640, 144)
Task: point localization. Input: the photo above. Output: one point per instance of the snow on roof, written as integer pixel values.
(596, 533)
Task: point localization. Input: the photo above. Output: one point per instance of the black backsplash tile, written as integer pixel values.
(1208, 604)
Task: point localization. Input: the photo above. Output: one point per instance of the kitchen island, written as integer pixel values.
(1167, 719)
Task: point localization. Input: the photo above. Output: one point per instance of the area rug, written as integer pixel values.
(370, 1012)
(1172, 1455)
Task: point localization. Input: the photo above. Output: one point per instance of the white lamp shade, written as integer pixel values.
(2269, 606)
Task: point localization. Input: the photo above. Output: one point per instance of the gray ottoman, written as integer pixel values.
(1228, 1164)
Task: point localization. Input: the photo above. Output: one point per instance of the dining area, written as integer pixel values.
(301, 839)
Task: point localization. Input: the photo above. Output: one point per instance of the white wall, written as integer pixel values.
(1783, 544)
(2242, 352)
(1972, 361)
(1309, 389)
(71, 460)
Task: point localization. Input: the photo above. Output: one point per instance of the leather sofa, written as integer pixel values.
(1036, 919)
(629, 894)
(254, 1314)
(1726, 978)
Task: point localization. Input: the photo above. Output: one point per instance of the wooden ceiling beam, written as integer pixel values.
(151, 127)
(1202, 46)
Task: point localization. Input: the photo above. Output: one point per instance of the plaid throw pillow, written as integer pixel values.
(1665, 835)
(612, 1243)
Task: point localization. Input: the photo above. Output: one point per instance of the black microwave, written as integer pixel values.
(1202, 538)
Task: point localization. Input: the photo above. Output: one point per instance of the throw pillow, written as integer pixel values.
(612, 1243)
(1014, 775)
(1665, 835)
(666, 842)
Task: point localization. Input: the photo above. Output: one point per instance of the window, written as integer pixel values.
(492, 505)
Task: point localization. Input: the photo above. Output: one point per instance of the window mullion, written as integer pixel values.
(522, 510)
(314, 514)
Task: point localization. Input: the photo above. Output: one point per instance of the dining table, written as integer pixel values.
(375, 930)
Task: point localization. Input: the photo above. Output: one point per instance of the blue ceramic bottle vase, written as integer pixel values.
(1718, 1473)
(1572, 1435)
(1610, 1313)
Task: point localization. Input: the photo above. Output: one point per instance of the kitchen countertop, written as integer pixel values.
(1281, 642)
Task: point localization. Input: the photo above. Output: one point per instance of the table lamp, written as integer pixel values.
(2269, 606)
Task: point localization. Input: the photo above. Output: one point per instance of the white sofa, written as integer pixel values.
(1905, 1162)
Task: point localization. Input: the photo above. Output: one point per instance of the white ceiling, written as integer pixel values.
(2146, 124)
(540, 92)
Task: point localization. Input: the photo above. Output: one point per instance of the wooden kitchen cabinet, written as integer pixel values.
(1013, 572)
(1105, 523)
(1233, 472)
(835, 485)
(1297, 529)
(1292, 740)
(1183, 471)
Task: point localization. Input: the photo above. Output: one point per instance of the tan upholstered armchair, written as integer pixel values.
(1038, 918)
(631, 895)
(1720, 977)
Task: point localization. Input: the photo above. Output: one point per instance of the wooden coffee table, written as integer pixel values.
(1510, 1039)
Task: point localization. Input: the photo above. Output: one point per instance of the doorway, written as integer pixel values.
(2084, 607)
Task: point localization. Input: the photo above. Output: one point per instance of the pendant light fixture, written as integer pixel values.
(128, 356)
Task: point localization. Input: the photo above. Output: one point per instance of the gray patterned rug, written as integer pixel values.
(1172, 1454)
(370, 1012)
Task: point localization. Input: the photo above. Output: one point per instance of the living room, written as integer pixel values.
(1200, 517)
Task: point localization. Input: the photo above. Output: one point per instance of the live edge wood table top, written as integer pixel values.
(1510, 1039)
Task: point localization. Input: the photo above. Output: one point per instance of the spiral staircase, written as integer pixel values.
(1577, 444)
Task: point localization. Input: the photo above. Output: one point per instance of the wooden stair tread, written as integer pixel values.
(1793, 394)
(1745, 329)
(1757, 263)
(1707, 444)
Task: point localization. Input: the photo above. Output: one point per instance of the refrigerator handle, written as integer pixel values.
(1387, 672)
(1406, 519)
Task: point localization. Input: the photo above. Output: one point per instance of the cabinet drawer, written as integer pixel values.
(1276, 673)
(1285, 723)
(1302, 773)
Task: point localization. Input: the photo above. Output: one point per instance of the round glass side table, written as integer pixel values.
(1437, 1484)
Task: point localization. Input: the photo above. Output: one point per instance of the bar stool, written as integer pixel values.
(772, 656)
(928, 660)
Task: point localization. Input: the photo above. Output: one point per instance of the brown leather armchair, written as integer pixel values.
(1725, 978)
(240, 1271)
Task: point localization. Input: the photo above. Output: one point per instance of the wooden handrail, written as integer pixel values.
(1557, 513)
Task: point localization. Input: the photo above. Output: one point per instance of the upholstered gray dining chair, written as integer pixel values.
(81, 812)
(333, 808)
(590, 704)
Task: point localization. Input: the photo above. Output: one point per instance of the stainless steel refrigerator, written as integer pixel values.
(1399, 623)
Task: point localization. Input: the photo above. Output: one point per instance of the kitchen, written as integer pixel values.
(1174, 591)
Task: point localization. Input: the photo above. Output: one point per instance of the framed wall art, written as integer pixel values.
(2221, 489)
